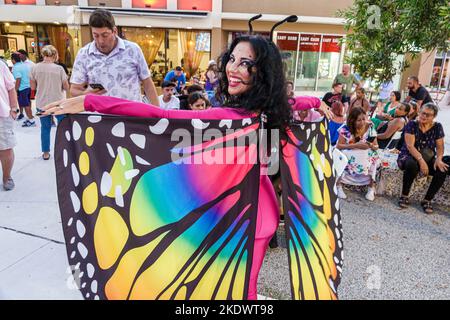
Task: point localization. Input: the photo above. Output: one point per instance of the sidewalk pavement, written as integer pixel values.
(389, 254)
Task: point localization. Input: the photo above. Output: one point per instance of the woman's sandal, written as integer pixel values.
(46, 158)
(403, 202)
(427, 206)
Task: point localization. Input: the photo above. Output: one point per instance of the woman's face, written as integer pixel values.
(242, 57)
(400, 111)
(426, 116)
(198, 105)
(290, 89)
(393, 98)
(361, 121)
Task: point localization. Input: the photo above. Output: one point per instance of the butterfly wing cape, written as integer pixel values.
(311, 208)
(145, 217)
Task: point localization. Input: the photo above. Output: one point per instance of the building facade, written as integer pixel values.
(191, 32)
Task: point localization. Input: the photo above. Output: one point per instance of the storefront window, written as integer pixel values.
(14, 37)
(308, 62)
(440, 76)
(288, 44)
(164, 49)
(312, 61)
(59, 37)
(329, 62)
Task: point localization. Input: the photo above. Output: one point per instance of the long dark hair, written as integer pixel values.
(267, 92)
(352, 117)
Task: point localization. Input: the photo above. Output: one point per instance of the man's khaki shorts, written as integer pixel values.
(7, 137)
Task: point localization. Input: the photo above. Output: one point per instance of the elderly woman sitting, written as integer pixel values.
(423, 151)
(357, 140)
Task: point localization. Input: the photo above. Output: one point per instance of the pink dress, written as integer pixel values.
(268, 212)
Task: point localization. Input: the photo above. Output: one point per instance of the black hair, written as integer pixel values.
(167, 84)
(196, 96)
(397, 95)
(102, 18)
(194, 88)
(178, 68)
(16, 57)
(407, 106)
(267, 92)
(21, 51)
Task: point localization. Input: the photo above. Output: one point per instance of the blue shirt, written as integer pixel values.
(22, 71)
(181, 79)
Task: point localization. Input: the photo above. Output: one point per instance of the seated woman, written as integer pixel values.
(423, 151)
(357, 140)
(337, 122)
(388, 112)
(387, 129)
(198, 101)
(359, 101)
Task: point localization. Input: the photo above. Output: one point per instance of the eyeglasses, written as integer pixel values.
(426, 114)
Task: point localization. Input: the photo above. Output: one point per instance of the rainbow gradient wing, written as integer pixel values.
(145, 217)
(311, 208)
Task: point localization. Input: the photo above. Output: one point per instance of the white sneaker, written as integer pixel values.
(370, 195)
(340, 193)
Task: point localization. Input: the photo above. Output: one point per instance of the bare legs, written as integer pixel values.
(7, 160)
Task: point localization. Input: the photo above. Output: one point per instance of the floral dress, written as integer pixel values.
(362, 164)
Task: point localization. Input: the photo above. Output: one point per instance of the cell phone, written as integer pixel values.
(371, 139)
(96, 86)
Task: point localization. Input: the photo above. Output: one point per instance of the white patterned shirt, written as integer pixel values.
(120, 72)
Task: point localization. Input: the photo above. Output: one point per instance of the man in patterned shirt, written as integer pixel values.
(116, 64)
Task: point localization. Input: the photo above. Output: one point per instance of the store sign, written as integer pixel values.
(149, 4)
(201, 5)
(287, 41)
(32, 2)
(331, 44)
(310, 42)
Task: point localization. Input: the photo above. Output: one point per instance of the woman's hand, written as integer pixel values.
(423, 167)
(361, 145)
(72, 105)
(441, 165)
(373, 146)
(325, 110)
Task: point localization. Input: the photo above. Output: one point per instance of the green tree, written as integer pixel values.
(381, 30)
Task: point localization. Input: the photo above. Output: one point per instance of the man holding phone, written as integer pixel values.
(110, 65)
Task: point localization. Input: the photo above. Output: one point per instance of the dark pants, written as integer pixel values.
(411, 169)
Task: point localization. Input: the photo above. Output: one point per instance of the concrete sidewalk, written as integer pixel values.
(406, 250)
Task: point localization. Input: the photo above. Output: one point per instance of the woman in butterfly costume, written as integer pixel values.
(253, 84)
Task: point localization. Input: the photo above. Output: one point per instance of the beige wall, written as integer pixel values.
(318, 8)
(422, 67)
(62, 2)
(86, 35)
(108, 3)
(218, 42)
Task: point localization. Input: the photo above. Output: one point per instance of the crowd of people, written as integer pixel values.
(363, 133)
(115, 67)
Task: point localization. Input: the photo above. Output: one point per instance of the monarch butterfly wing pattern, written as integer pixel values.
(145, 217)
(312, 216)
